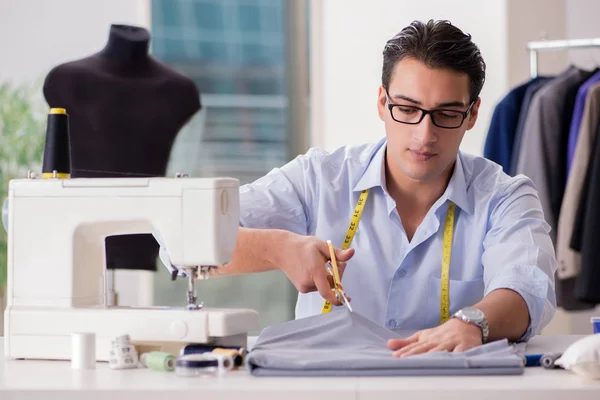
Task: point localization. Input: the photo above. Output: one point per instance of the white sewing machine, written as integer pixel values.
(56, 261)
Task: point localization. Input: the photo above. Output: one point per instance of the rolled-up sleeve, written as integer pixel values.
(518, 253)
(282, 199)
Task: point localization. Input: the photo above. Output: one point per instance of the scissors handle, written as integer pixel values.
(337, 282)
(336, 273)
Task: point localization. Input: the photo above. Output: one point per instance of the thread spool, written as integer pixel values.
(56, 162)
(122, 354)
(83, 350)
(548, 360)
(158, 361)
(121, 341)
(238, 354)
(203, 364)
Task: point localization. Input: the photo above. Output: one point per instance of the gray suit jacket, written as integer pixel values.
(569, 260)
(543, 152)
(529, 93)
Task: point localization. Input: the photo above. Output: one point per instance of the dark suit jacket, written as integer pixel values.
(499, 141)
(586, 232)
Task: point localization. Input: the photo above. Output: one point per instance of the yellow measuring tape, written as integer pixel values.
(446, 253)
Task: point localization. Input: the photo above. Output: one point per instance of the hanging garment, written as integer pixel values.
(578, 110)
(587, 230)
(569, 260)
(499, 140)
(531, 90)
(542, 156)
(342, 343)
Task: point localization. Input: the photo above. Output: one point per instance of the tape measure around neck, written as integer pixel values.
(358, 209)
(445, 276)
(446, 253)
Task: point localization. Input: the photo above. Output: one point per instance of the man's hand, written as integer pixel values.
(453, 335)
(303, 259)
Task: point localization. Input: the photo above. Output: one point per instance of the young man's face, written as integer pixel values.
(424, 151)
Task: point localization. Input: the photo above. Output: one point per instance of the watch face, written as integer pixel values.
(472, 313)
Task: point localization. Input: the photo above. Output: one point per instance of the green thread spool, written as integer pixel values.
(158, 361)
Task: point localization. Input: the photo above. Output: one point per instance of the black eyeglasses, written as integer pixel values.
(447, 119)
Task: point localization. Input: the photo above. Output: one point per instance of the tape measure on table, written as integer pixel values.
(446, 253)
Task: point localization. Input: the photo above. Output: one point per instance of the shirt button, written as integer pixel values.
(392, 323)
(401, 273)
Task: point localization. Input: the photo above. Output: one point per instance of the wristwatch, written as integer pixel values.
(476, 317)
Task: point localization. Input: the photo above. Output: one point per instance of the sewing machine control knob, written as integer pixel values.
(179, 329)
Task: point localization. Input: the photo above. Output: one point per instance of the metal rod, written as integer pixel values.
(549, 45)
(533, 63)
(563, 44)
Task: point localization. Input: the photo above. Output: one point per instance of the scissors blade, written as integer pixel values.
(346, 302)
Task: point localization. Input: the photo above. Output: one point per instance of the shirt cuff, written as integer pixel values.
(532, 285)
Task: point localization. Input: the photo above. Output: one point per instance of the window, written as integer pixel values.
(238, 54)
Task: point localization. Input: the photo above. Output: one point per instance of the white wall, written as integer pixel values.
(582, 23)
(347, 59)
(352, 40)
(534, 20)
(36, 35)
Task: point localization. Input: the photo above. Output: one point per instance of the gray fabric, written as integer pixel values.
(342, 343)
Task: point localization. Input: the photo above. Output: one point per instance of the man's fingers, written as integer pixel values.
(460, 348)
(415, 348)
(330, 280)
(441, 347)
(343, 255)
(403, 350)
(324, 287)
(396, 344)
(341, 268)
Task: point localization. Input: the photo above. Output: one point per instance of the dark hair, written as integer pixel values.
(438, 44)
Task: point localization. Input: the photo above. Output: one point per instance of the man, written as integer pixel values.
(501, 266)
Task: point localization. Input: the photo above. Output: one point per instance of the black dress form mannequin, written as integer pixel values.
(125, 110)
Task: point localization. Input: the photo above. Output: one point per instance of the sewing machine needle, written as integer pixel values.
(191, 290)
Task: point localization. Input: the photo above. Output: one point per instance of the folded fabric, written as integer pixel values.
(342, 343)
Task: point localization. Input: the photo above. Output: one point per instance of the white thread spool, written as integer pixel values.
(122, 354)
(83, 350)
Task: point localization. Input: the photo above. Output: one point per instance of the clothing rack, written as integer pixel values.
(549, 45)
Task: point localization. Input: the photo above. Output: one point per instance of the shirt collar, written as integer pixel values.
(456, 191)
(374, 176)
(374, 173)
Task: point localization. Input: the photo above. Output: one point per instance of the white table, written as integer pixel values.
(23, 379)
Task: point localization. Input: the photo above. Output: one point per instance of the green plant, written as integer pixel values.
(22, 137)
